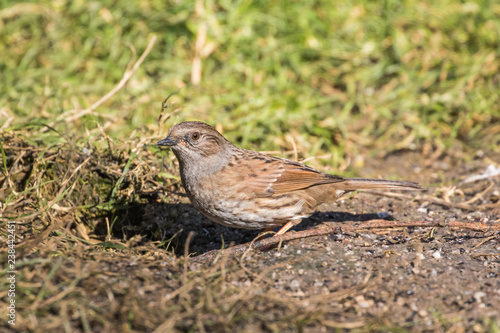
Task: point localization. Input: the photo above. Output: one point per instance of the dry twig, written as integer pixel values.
(484, 241)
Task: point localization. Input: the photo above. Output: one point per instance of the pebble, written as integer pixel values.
(479, 295)
(364, 303)
(423, 210)
(295, 284)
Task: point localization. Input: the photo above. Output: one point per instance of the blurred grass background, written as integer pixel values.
(334, 76)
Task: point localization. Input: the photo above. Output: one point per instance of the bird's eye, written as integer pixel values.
(195, 136)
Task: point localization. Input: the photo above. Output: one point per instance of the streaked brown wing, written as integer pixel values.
(298, 176)
(267, 176)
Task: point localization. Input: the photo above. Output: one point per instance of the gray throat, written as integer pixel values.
(193, 172)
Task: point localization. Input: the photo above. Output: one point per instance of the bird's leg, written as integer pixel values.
(286, 227)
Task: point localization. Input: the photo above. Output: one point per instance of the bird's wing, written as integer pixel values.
(266, 176)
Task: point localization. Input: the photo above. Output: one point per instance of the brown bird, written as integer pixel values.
(246, 189)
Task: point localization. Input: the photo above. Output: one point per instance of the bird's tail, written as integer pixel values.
(352, 184)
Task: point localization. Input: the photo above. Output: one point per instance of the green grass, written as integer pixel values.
(387, 71)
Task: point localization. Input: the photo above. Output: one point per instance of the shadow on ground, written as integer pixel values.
(176, 221)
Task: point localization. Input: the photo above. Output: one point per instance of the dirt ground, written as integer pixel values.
(393, 279)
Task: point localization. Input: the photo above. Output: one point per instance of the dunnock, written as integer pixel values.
(246, 189)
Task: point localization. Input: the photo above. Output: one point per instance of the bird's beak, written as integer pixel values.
(168, 141)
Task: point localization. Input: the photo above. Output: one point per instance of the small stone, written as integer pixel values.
(382, 215)
(477, 328)
(318, 284)
(437, 254)
(422, 313)
(423, 210)
(479, 295)
(364, 303)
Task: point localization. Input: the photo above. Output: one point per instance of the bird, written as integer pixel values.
(246, 189)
